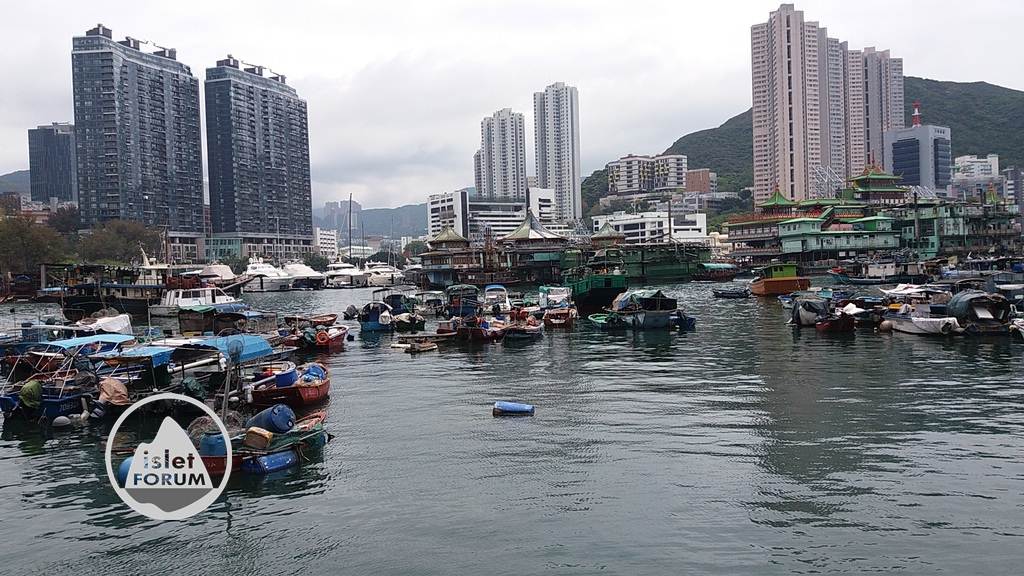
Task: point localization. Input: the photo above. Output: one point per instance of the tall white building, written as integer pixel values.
(448, 209)
(326, 242)
(556, 122)
(653, 227)
(500, 164)
(820, 109)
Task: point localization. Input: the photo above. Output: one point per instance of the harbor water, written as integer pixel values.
(746, 447)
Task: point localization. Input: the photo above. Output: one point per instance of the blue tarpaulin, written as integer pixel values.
(94, 339)
(250, 346)
(158, 355)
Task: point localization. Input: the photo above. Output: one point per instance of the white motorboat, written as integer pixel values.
(266, 278)
(304, 277)
(176, 299)
(496, 295)
(345, 275)
(381, 274)
(554, 297)
(918, 319)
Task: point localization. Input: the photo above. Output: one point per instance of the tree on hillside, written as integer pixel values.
(593, 188)
(66, 220)
(316, 261)
(24, 245)
(119, 241)
(415, 248)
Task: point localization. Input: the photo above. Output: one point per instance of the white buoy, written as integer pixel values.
(885, 326)
(61, 421)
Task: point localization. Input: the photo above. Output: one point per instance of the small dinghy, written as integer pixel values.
(512, 409)
(731, 292)
(307, 385)
(417, 347)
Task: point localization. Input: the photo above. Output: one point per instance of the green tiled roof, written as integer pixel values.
(531, 229)
(447, 234)
(777, 199)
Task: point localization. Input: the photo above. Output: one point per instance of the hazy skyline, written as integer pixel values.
(396, 92)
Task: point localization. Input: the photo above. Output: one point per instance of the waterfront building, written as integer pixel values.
(500, 163)
(973, 166)
(138, 145)
(556, 123)
(493, 217)
(701, 180)
(815, 239)
(874, 186)
(819, 108)
(51, 162)
(920, 154)
(653, 227)
(755, 236)
(258, 138)
(638, 175)
(937, 227)
(326, 242)
(448, 210)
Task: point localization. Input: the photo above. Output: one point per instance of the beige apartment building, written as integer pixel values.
(819, 108)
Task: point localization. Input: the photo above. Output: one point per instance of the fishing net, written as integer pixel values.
(233, 421)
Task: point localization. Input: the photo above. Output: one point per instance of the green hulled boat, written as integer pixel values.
(596, 284)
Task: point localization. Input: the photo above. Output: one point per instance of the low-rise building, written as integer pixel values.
(653, 227)
(642, 174)
(701, 180)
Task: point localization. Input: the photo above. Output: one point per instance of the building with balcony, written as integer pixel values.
(654, 227)
(816, 239)
(636, 175)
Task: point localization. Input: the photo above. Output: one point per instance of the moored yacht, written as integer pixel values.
(176, 299)
(304, 277)
(265, 277)
(345, 275)
(381, 274)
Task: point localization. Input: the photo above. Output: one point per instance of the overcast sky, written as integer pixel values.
(396, 90)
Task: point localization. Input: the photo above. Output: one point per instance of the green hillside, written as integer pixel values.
(983, 118)
(17, 181)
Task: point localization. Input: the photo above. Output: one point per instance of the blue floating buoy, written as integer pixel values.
(123, 469)
(512, 409)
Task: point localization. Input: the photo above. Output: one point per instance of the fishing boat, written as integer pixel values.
(462, 300)
(296, 321)
(409, 322)
(596, 284)
(644, 309)
(731, 292)
(174, 300)
(837, 323)
(776, 279)
(477, 329)
(283, 383)
(376, 317)
(554, 297)
(608, 321)
(399, 298)
(329, 337)
(431, 301)
(284, 450)
(808, 310)
(682, 321)
(873, 273)
(265, 277)
(715, 272)
(980, 313)
(560, 318)
(496, 299)
(522, 326)
(918, 322)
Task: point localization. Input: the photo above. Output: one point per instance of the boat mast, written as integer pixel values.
(350, 226)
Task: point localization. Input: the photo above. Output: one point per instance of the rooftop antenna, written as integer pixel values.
(915, 118)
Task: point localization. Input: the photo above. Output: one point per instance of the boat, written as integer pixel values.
(838, 323)
(381, 274)
(560, 318)
(283, 383)
(979, 312)
(417, 347)
(376, 316)
(523, 326)
(496, 299)
(224, 320)
(554, 297)
(715, 272)
(329, 337)
(910, 323)
(477, 329)
(596, 284)
(873, 273)
(431, 301)
(296, 321)
(644, 309)
(344, 275)
(808, 310)
(266, 278)
(682, 321)
(399, 298)
(304, 277)
(285, 450)
(409, 322)
(174, 300)
(462, 300)
(608, 321)
(776, 279)
(731, 292)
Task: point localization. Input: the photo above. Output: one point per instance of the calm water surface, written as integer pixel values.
(745, 448)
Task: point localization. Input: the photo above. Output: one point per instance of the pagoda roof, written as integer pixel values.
(447, 234)
(875, 174)
(777, 199)
(607, 232)
(531, 229)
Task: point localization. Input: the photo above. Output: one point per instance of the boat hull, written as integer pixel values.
(297, 395)
(779, 286)
(268, 284)
(924, 326)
